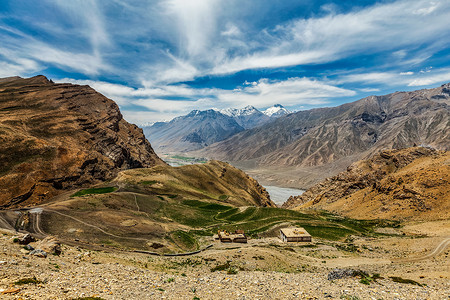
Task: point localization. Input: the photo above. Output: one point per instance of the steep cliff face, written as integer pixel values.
(59, 136)
(412, 182)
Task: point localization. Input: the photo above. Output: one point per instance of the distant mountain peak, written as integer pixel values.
(277, 110)
(236, 112)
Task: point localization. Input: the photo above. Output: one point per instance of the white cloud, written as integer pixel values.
(371, 78)
(261, 94)
(369, 90)
(407, 73)
(442, 77)
(328, 38)
(294, 91)
(196, 22)
(231, 30)
(426, 10)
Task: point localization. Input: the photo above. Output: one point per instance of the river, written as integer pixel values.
(279, 195)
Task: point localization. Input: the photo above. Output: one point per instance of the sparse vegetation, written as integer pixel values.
(221, 267)
(148, 182)
(403, 280)
(32, 280)
(102, 190)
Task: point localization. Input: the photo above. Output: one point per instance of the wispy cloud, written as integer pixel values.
(172, 56)
(261, 94)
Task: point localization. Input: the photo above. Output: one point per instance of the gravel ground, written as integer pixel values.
(82, 273)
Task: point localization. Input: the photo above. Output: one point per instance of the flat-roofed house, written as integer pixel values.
(294, 234)
(236, 237)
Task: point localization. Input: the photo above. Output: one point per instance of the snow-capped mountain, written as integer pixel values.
(276, 111)
(236, 112)
(201, 128)
(247, 117)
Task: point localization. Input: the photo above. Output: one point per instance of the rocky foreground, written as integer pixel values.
(78, 273)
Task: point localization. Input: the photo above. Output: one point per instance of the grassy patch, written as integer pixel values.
(221, 267)
(403, 280)
(184, 240)
(28, 281)
(206, 205)
(223, 197)
(148, 182)
(102, 190)
(332, 233)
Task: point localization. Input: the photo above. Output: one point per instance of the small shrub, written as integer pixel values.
(222, 267)
(232, 271)
(170, 279)
(148, 182)
(365, 280)
(28, 281)
(403, 280)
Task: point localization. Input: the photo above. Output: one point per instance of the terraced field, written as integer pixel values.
(169, 223)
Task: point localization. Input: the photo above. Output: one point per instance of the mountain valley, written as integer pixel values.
(128, 225)
(332, 138)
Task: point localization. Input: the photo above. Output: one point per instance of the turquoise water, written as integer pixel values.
(279, 195)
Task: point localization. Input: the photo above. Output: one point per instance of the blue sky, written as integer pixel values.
(160, 59)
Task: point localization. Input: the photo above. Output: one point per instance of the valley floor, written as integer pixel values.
(262, 269)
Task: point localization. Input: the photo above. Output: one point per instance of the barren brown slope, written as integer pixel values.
(321, 136)
(394, 184)
(59, 136)
(214, 180)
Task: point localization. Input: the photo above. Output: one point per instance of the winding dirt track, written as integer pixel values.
(438, 250)
(4, 224)
(96, 227)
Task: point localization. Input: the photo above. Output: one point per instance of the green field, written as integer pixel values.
(144, 214)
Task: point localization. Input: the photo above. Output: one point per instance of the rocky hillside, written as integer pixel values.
(359, 129)
(413, 182)
(191, 132)
(55, 137)
(214, 180)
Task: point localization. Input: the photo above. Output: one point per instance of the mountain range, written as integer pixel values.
(199, 129)
(334, 137)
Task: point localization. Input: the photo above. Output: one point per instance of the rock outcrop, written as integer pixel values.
(412, 182)
(54, 137)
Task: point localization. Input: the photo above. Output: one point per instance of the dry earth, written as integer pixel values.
(265, 269)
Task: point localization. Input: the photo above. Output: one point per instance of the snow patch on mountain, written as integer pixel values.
(237, 112)
(276, 111)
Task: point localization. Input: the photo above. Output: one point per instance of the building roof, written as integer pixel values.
(295, 232)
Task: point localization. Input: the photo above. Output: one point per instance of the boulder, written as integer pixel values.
(26, 239)
(39, 253)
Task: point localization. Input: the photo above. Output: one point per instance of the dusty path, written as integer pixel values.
(35, 213)
(5, 224)
(96, 227)
(438, 250)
